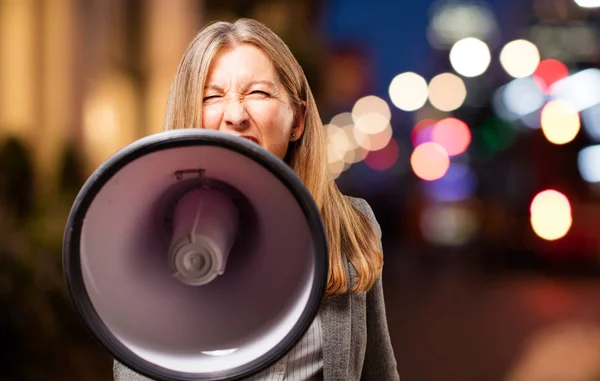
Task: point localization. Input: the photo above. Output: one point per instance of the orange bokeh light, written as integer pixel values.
(560, 121)
(550, 215)
(430, 161)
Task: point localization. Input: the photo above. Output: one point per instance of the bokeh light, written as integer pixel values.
(496, 135)
(591, 122)
(588, 3)
(581, 89)
(373, 142)
(342, 119)
(548, 72)
(447, 92)
(371, 114)
(453, 21)
(371, 103)
(519, 58)
(560, 121)
(340, 149)
(101, 123)
(108, 117)
(453, 134)
(384, 158)
(354, 153)
(550, 213)
(352, 136)
(337, 143)
(522, 96)
(458, 184)
(470, 57)
(429, 161)
(448, 224)
(371, 123)
(408, 91)
(421, 132)
(587, 162)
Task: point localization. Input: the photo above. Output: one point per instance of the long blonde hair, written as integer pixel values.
(348, 231)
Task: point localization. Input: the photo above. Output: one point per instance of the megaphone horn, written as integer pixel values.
(195, 255)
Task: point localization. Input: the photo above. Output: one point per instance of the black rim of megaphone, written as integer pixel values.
(174, 139)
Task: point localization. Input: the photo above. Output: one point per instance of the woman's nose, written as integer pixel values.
(235, 115)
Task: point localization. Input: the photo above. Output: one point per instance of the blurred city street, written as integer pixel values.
(458, 323)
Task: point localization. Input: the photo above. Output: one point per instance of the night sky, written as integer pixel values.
(395, 31)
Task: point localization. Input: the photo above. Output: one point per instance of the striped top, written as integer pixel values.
(304, 362)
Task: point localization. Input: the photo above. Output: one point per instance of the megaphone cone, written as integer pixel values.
(195, 255)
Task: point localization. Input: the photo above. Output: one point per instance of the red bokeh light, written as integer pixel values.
(421, 132)
(548, 72)
(452, 134)
(384, 158)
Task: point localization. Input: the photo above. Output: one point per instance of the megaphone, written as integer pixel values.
(195, 255)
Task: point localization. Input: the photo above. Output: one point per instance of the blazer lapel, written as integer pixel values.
(335, 319)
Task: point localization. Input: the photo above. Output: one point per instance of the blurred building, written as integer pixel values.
(94, 74)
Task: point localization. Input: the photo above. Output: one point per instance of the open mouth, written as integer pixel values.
(251, 138)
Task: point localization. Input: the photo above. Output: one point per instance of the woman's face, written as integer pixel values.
(243, 96)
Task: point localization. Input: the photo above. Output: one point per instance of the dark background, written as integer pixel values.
(472, 292)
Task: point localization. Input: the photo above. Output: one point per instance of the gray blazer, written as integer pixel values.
(356, 341)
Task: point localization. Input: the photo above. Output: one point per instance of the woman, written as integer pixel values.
(241, 78)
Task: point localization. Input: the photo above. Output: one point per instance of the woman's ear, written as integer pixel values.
(299, 122)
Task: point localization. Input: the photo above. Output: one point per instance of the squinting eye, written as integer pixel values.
(211, 97)
(260, 92)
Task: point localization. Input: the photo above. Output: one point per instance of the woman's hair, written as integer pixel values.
(348, 231)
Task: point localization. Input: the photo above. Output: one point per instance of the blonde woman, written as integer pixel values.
(241, 78)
